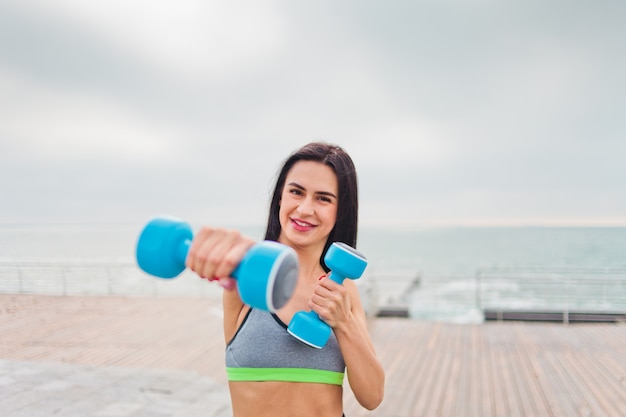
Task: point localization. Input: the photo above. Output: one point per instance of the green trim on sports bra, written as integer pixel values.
(285, 374)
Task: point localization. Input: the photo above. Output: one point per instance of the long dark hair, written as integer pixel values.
(339, 161)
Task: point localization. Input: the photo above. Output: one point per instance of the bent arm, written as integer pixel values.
(365, 372)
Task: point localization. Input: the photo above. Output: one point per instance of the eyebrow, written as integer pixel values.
(327, 193)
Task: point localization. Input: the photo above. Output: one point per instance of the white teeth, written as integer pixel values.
(303, 224)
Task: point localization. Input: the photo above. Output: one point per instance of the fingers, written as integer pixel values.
(207, 250)
(331, 302)
(215, 253)
(228, 283)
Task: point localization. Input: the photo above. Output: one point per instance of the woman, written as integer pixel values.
(314, 204)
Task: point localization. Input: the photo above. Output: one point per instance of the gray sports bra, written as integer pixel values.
(263, 350)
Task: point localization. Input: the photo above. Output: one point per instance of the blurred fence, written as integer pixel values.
(95, 278)
(556, 294)
(124, 279)
(492, 293)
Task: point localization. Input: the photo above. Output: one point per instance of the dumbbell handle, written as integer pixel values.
(183, 250)
(336, 277)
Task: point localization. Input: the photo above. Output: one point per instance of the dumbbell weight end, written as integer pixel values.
(308, 328)
(162, 247)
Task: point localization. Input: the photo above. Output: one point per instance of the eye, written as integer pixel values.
(295, 191)
(327, 199)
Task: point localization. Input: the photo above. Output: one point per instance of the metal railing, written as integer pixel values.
(126, 279)
(94, 278)
(563, 291)
(448, 298)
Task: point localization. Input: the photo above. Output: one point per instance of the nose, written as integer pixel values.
(306, 207)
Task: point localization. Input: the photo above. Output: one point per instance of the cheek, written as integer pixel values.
(331, 216)
(283, 211)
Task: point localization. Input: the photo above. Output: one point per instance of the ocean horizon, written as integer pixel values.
(433, 270)
(429, 250)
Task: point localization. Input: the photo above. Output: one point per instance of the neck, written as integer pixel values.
(309, 259)
(310, 263)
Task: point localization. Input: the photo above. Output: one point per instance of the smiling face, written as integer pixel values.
(308, 205)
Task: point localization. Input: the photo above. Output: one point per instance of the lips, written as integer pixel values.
(301, 225)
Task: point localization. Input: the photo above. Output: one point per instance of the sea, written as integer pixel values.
(436, 273)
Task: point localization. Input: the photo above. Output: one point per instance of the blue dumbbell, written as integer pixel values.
(266, 276)
(344, 262)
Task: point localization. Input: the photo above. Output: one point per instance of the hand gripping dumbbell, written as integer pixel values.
(344, 262)
(266, 276)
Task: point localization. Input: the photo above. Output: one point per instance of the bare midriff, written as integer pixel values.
(285, 399)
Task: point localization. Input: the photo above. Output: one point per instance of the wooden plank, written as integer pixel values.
(481, 375)
(442, 370)
(532, 395)
(582, 369)
(465, 349)
(520, 403)
(497, 368)
(427, 383)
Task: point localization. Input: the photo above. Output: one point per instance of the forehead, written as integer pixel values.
(313, 175)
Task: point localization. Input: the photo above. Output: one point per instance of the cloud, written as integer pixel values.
(457, 112)
(62, 125)
(194, 38)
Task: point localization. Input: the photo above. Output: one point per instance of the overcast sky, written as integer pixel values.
(470, 112)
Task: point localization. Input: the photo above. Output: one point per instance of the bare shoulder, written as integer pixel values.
(355, 296)
(351, 286)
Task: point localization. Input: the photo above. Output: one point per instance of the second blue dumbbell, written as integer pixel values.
(344, 262)
(266, 276)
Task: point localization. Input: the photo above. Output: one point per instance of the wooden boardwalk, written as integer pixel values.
(493, 369)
